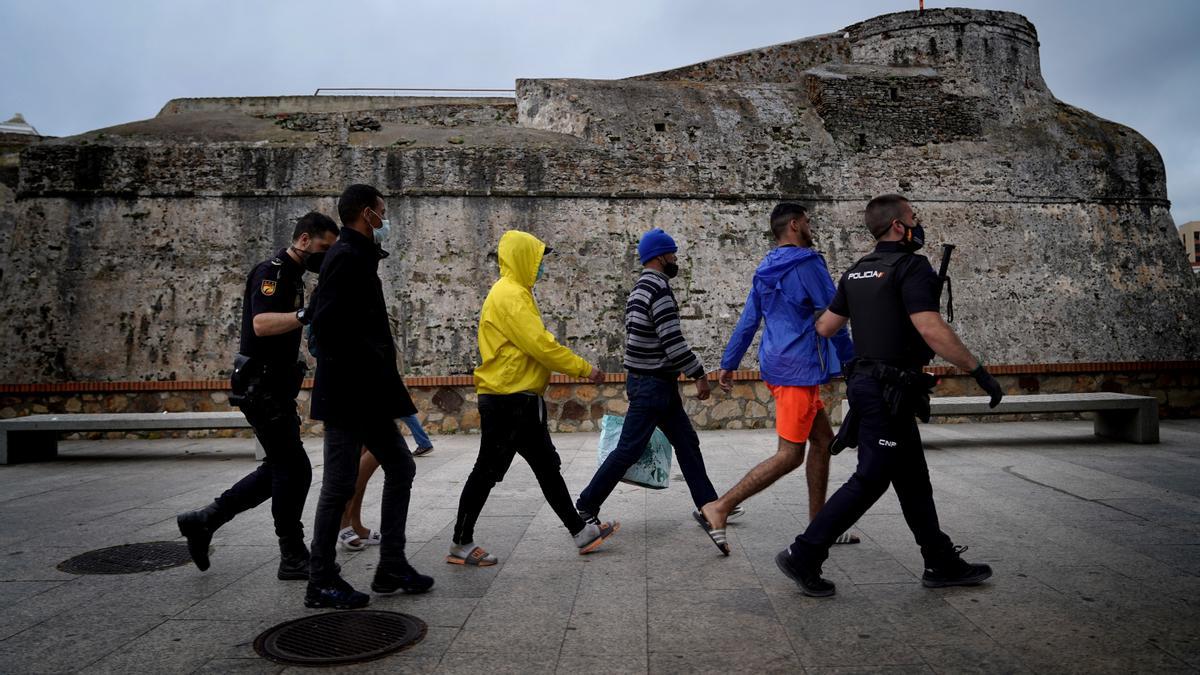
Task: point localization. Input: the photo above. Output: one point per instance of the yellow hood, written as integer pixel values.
(516, 352)
(520, 254)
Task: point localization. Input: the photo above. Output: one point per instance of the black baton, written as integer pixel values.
(944, 280)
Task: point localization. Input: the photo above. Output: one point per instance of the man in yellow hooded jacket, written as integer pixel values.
(517, 356)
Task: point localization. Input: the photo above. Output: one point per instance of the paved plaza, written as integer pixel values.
(1095, 545)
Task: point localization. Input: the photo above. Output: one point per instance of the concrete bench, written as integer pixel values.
(35, 437)
(1124, 417)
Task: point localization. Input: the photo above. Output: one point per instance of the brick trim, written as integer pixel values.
(467, 380)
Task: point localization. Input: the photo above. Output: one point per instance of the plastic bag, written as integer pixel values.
(652, 470)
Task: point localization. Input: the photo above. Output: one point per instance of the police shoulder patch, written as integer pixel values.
(268, 287)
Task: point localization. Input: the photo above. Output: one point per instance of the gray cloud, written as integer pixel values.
(75, 66)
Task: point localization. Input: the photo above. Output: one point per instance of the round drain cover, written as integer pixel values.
(336, 638)
(129, 558)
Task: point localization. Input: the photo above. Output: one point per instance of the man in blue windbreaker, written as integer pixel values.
(791, 288)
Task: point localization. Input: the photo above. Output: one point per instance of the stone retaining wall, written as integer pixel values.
(124, 250)
(579, 407)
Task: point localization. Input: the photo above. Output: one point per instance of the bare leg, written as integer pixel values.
(352, 517)
(789, 456)
(817, 471)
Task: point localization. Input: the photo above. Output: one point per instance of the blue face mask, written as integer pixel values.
(385, 228)
(541, 269)
(381, 233)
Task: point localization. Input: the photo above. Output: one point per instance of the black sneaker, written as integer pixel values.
(336, 594)
(810, 581)
(400, 578)
(422, 450)
(955, 571)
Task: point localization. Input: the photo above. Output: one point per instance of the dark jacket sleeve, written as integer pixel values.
(333, 310)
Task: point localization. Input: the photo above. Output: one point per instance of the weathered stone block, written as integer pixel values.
(448, 400)
(726, 410)
(470, 419)
(743, 390)
(573, 410)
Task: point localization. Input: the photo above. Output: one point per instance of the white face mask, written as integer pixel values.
(381, 232)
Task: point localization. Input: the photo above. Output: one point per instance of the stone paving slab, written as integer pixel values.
(1096, 546)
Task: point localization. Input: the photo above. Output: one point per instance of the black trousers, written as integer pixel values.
(889, 453)
(343, 448)
(283, 477)
(513, 424)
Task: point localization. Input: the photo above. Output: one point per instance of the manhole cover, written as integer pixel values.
(337, 638)
(130, 558)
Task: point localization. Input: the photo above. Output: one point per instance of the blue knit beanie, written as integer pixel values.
(655, 243)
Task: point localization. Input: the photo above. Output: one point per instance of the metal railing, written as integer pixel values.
(457, 90)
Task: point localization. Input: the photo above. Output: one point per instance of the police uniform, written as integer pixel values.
(888, 390)
(268, 375)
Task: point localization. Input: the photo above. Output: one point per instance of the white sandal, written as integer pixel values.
(349, 540)
(374, 538)
(847, 538)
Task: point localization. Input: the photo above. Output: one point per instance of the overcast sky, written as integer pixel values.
(74, 66)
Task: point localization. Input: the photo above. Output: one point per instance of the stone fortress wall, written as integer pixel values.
(126, 248)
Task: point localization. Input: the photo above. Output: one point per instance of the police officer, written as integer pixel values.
(268, 372)
(891, 299)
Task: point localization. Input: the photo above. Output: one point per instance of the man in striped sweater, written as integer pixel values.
(655, 353)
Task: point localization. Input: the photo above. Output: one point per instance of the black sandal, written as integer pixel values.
(717, 535)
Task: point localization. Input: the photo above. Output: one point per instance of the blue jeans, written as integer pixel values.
(420, 438)
(653, 402)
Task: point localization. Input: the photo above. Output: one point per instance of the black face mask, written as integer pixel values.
(670, 269)
(313, 261)
(914, 237)
(310, 260)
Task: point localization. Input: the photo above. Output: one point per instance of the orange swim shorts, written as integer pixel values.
(795, 410)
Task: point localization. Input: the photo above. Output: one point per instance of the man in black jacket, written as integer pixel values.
(358, 394)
